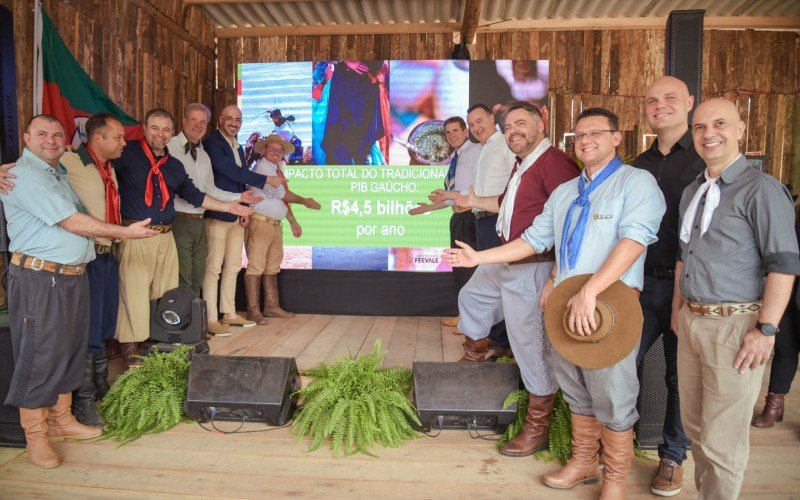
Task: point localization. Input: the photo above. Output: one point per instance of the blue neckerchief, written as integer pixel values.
(450, 180)
(571, 243)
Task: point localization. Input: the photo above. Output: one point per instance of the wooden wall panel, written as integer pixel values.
(610, 68)
(142, 53)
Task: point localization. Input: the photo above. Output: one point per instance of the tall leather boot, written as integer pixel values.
(101, 374)
(62, 422)
(773, 411)
(34, 422)
(83, 397)
(582, 467)
(535, 433)
(475, 350)
(252, 290)
(128, 350)
(272, 306)
(617, 455)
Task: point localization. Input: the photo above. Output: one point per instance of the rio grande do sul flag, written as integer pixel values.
(64, 90)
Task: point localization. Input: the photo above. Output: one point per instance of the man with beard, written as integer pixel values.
(48, 290)
(512, 291)
(626, 207)
(224, 234)
(189, 230)
(149, 180)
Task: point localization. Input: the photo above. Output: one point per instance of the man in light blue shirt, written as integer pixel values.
(48, 290)
(600, 223)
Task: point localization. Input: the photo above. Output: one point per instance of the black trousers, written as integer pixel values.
(462, 228)
(49, 323)
(486, 232)
(787, 348)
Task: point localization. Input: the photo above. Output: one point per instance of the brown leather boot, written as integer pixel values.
(475, 350)
(773, 411)
(252, 290)
(535, 433)
(272, 306)
(582, 466)
(63, 424)
(34, 422)
(618, 455)
(127, 350)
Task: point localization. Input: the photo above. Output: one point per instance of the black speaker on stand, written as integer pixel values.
(11, 433)
(652, 402)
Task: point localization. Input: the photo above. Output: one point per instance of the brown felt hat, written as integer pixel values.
(275, 139)
(619, 320)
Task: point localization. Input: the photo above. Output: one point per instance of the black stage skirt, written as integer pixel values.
(49, 322)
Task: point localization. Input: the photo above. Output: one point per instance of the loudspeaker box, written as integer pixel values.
(242, 388)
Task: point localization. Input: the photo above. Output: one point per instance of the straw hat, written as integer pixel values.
(619, 320)
(275, 139)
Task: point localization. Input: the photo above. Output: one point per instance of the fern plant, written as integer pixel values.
(356, 404)
(149, 399)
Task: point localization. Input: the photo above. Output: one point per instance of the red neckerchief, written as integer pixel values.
(112, 195)
(155, 168)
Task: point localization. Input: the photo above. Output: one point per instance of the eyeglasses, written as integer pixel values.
(275, 150)
(592, 134)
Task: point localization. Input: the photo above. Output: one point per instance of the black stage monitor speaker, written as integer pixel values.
(178, 318)
(652, 403)
(242, 388)
(11, 433)
(464, 395)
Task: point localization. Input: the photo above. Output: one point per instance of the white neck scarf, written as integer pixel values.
(712, 200)
(507, 208)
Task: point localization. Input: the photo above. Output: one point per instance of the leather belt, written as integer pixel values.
(188, 215)
(723, 310)
(549, 256)
(661, 273)
(484, 214)
(102, 249)
(458, 209)
(37, 264)
(266, 219)
(161, 228)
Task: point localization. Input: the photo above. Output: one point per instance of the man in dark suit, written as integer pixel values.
(224, 234)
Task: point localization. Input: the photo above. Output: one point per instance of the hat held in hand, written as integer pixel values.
(618, 316)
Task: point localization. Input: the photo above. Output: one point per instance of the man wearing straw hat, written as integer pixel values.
(600, 225)
(264, 231)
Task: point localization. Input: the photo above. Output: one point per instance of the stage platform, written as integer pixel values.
(188, 461)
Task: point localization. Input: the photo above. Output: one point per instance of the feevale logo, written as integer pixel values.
(602, 216)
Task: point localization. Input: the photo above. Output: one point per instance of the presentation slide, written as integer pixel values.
(369, 145)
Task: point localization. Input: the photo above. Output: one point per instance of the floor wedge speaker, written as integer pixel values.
(242, 388)
(464, 395)
(11, 433)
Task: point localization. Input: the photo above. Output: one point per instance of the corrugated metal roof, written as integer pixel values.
(282, 14)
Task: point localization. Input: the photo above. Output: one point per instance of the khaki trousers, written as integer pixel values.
(716, 401)
(264, 242)
(224, 241)
(148, 268)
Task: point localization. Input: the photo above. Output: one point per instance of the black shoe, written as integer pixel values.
(83, 398)
(101, 374)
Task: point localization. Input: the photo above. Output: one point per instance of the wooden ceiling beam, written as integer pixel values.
(337, 29)
(470, 19)
(201, 2)
(709, 22)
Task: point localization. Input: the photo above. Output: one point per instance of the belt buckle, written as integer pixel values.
(33, 264)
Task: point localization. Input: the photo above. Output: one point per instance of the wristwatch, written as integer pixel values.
(767, 329)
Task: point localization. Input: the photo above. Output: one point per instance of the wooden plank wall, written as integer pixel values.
(142, 53)
(609, 68)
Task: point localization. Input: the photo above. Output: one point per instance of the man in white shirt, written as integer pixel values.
(264, 231)
(458, 181)
(190, 236)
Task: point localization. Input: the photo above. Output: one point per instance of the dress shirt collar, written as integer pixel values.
(497, 135)
(183, 140)
(730, 172)
(467, 144)
(586, 176)
(684, 143)
(58, 170)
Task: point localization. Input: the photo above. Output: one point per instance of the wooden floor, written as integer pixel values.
(189, 461)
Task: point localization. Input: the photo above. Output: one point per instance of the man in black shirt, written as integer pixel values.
(674, 163)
